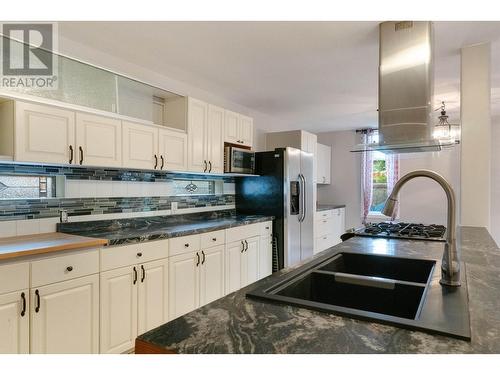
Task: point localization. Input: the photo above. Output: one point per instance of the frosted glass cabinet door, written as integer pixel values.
(67, 320)
(44, 134)
(99, 140)
(14, 327)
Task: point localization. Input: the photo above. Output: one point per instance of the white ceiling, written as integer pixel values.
(318, 76)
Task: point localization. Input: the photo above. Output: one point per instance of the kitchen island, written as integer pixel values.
(236, 324)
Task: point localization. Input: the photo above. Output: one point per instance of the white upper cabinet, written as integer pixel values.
(153, 295)
(246, 130)
(172, 150)
(14, 322)
(238, 129)
(197, 135)
(323, 164)
(44, 134)
(231, 127)
(140, 146)
(99, 140)
(215, 139)
(65, 317)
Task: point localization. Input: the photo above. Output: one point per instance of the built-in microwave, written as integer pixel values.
(238, 160)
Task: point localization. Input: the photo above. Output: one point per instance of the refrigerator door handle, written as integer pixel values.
(302, 203)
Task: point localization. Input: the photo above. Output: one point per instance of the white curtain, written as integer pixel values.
(366, 178)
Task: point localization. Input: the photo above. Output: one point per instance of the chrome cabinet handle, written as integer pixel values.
(204, 170)
(203, 260)
(135, 275)
(37, 297)
(71, 154)
(210, 164)
(143, 273)
(156, 161)
(198, 259)
(80, 148)
(23, 298)
(162, 162)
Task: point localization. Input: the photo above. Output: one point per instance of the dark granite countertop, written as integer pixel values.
(326, 207)
(141, 229)
(235, 324)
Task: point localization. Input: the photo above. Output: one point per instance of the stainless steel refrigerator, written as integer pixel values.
(283, 189)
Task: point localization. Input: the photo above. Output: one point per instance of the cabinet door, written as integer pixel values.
(231, 127)
(173, 148)
(323, 164)
(100, 139)
(183, 284)
(265, 256)
(250, 261)
(246, 130)
(67, 320)
(14, 327)
(44, 134)
(118, 309)
(215, 141)
(153, 295)
(197, 135)
(338, 229)
(212, 275)
(233, 266)
(140, 146)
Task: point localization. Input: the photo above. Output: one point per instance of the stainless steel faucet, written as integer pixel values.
(450, 265)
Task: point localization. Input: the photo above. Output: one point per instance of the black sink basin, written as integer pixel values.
(404, 269)
(394, 299)
(400, 291)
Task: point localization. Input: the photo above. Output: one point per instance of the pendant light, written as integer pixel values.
(444, 131)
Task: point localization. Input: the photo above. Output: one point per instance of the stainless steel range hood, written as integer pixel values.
(406, 82)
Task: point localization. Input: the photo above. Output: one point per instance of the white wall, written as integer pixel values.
(495, 179)
(345, 187)
(165, 80)
(421, 200)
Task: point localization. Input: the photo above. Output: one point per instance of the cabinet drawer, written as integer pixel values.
(323, 214)
(324, 227)
(64, 267)
(14, 276)
(121, 256)
(242, 232)
(324, 242)
(266, 229)
(186, 244)
(211, 239)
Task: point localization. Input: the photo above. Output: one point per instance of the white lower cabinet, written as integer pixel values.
(242, 263)
(14, 322)
(65, 317)
(133, 300)
(196, 278)
(265, 257)
(329, 225)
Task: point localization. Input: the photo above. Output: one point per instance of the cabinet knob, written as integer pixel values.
(267, 227)
(186, 245)
(139, 255)
(214, 239)
(69, 268)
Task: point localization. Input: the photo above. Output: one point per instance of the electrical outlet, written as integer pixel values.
(173, 207)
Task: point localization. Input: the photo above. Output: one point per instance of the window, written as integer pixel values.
(379, 182)
(27, 187)
(193, 187)
(378, 175)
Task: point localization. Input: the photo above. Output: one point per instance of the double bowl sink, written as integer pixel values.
(400, 291)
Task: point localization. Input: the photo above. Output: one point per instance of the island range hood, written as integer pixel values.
(405, 90)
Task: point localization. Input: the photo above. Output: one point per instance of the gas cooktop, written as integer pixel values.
(432, 232)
